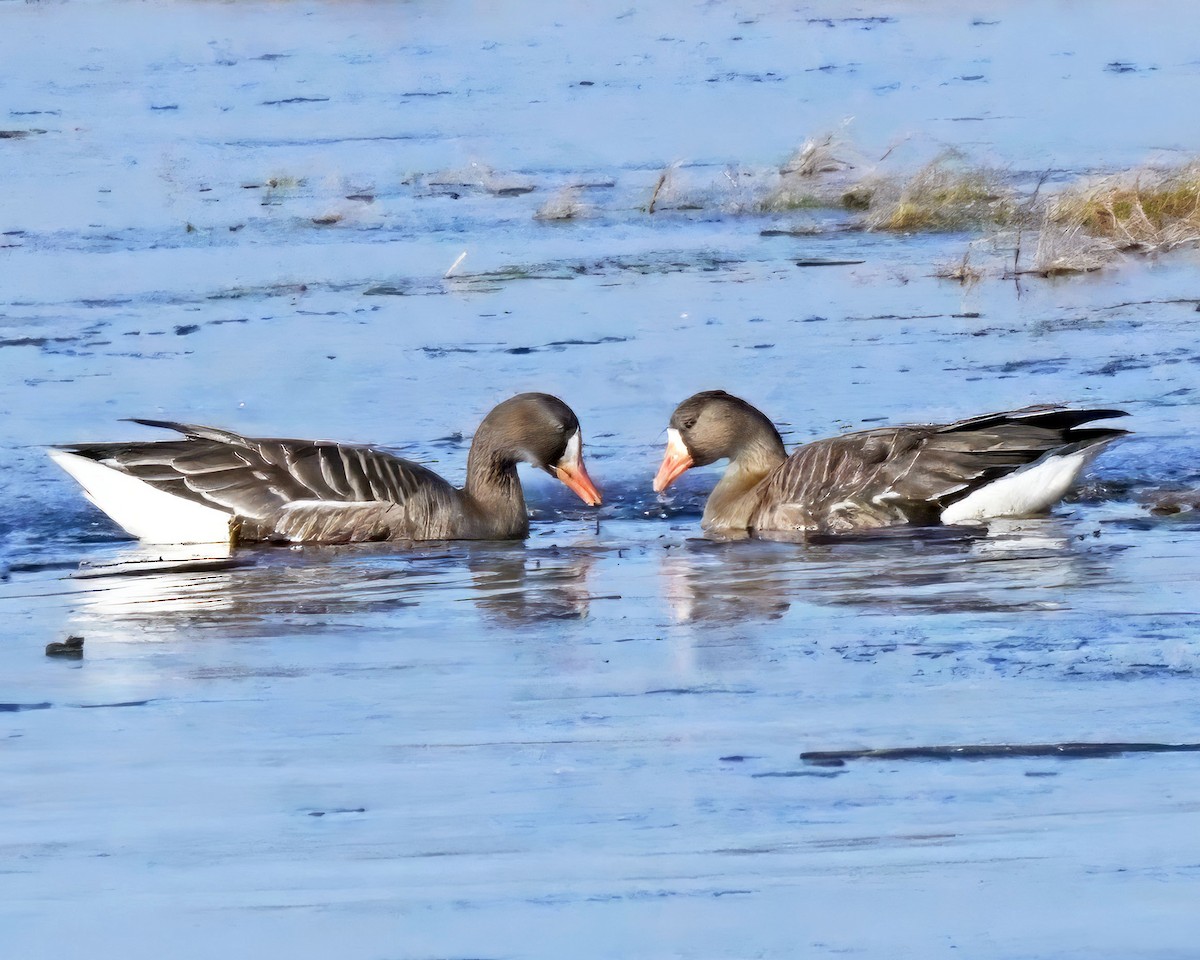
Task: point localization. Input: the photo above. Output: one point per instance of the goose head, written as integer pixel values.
(541, 430)
(712, 426)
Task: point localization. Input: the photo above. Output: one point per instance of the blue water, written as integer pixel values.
(586, 745)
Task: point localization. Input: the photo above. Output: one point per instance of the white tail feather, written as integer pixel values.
(1030, 490)
(145, 512)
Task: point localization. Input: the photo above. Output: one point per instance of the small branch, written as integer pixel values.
(662, 178)
(985, 751)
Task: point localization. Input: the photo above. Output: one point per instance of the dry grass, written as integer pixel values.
(672, 191)
(813, 158)
(1080, 228)
(946, 194)
(1063, 250)
(564, 205)
(820, 174)
(962, 270)
(1141, 210)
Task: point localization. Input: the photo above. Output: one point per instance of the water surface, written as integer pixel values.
(586, 745)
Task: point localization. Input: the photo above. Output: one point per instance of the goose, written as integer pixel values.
(213, 485)
(1012, 463)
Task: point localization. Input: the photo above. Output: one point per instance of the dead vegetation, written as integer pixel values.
(946, 194)
(1089, 225)
(1141, 210)
(564, 205)
(823, 173)
(963, 271)
(673, 192)
(1078, 228)
(1021, 228)
(1063, 249)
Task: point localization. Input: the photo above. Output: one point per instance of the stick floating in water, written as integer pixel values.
(996, 751)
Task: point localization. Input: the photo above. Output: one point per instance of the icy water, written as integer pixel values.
(587, 745)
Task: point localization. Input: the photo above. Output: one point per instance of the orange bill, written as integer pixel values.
(571, 471)
(676, 462)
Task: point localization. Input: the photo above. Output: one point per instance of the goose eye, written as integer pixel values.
(689, 423)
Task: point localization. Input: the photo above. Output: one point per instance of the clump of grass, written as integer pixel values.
(859, 196)
(782, 200)
(946, 194)
(963, 271)
(564, 205)
(815, 157)
(284, 182)
(1064, 249)
(818, 175)
(671, 192)
(1141, 210)
(477, 176)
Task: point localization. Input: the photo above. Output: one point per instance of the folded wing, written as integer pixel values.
(914, 474)
(286, 486)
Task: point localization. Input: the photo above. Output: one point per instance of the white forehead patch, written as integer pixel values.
(675, 444)
(574, 451)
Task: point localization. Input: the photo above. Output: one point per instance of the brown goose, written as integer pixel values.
(1014, 463)
(216, 486)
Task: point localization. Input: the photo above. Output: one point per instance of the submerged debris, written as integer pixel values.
(1167, 503)
(69, 649)
(479, 177)
(997, 751)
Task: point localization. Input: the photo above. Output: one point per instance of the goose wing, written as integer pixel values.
(910, 474)
(258, 478)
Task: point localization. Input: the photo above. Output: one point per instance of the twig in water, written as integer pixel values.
(1021, 218)
(454, 266)
(987, 751)
(662, 178)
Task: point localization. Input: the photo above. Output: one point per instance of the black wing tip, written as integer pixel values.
(1054, 416)
(161, 424)
(1098, 435)
(1068, 409)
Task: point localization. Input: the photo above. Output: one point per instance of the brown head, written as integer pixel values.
(711, 426)
(540, 430)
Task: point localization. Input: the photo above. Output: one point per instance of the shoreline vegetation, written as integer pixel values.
(1052, 226)
(1015, 224)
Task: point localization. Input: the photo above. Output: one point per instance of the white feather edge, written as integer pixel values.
(141, 510)
(1030, 490)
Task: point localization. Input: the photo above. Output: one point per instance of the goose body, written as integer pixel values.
(1012, 463)
(213, 485)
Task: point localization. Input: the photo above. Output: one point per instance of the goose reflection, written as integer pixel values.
(532, 585)
(164, 580)
(508, 583)
(1012, 565)
(724, 581)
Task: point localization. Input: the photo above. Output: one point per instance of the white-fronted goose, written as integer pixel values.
(216, 486)
(1014, 463)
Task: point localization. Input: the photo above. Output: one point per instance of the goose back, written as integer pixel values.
(917, 474)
